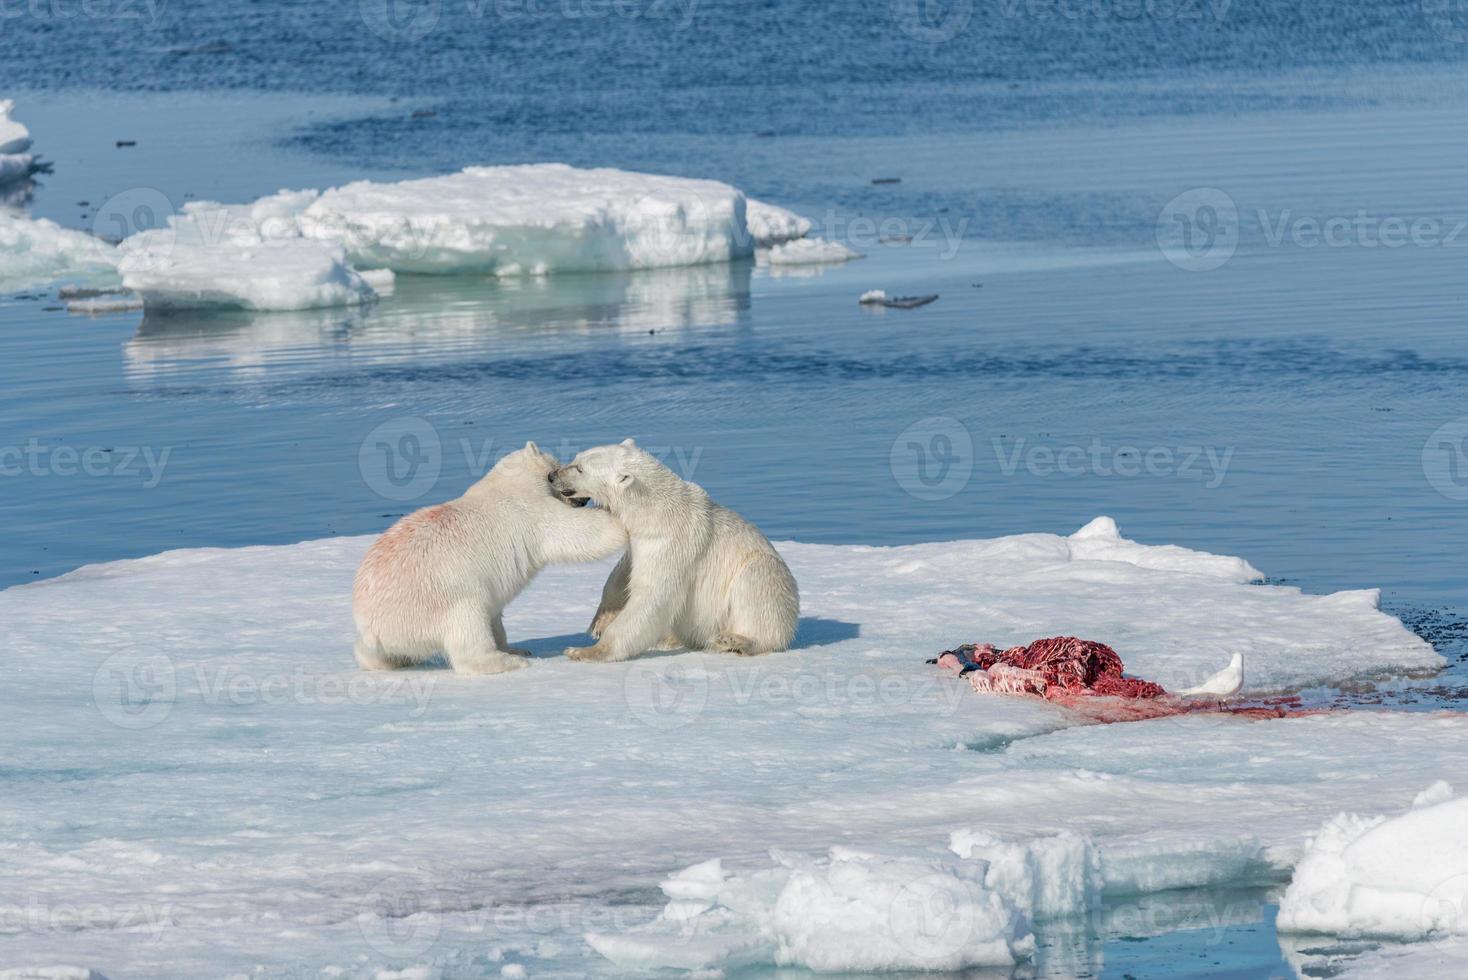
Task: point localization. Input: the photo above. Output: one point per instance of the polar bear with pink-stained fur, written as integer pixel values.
(439, 579)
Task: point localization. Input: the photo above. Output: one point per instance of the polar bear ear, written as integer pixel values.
(531, 447)
(629, 443)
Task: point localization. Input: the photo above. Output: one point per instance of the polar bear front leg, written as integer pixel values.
(471, 646)
(614, 595)
(642, 625)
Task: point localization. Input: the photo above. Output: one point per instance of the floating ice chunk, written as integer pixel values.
(770, 225)
(239, 257)
(532, 220)
(1441, 959)
(51, 973)
(382, 281)
(810, 251)
(1045, 877)
(295, 275)
(15, 141)
(1101, 541)
(1404, 877)
(855, 910)
(36, 251)
(873, 296)
(110, 303)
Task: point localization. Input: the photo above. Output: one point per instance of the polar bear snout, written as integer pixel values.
(563, 487)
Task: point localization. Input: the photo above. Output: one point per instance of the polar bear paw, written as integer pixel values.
(740, 646)
(591, 653)
(489, 662)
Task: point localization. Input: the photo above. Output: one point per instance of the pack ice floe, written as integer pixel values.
(521, 789)
(303, 249)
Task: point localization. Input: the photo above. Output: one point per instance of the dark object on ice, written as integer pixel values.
(122, 143)
(901, 302)
(886, 180)
(424, 113)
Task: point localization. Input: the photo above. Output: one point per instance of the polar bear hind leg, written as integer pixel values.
(371, 656)
(763, 610)
(470, 644)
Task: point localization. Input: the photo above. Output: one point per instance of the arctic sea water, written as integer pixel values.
(1291, 389)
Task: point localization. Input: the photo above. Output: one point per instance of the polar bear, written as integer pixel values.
(695, 574)
(439, 579)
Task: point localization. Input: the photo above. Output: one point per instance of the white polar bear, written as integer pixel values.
(439, 579)
(695, 574)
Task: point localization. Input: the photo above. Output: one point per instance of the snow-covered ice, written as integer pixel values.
(810, 251)
(849, 910)
(37, 251)
(300, 249)
(770, 225)
(204, 779)
(542, 218)
(15, 142)
(240, 257)
(1400, 877)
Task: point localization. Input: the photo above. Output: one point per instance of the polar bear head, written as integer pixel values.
(526, 468)
(609, 475)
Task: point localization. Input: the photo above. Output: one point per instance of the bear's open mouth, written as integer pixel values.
(573, 498)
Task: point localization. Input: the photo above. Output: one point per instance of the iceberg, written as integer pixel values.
(300, 249)
(1403, 877)
(36, 251)
(810, 251)
(244, 257)
(770, 225)
(538, 219)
